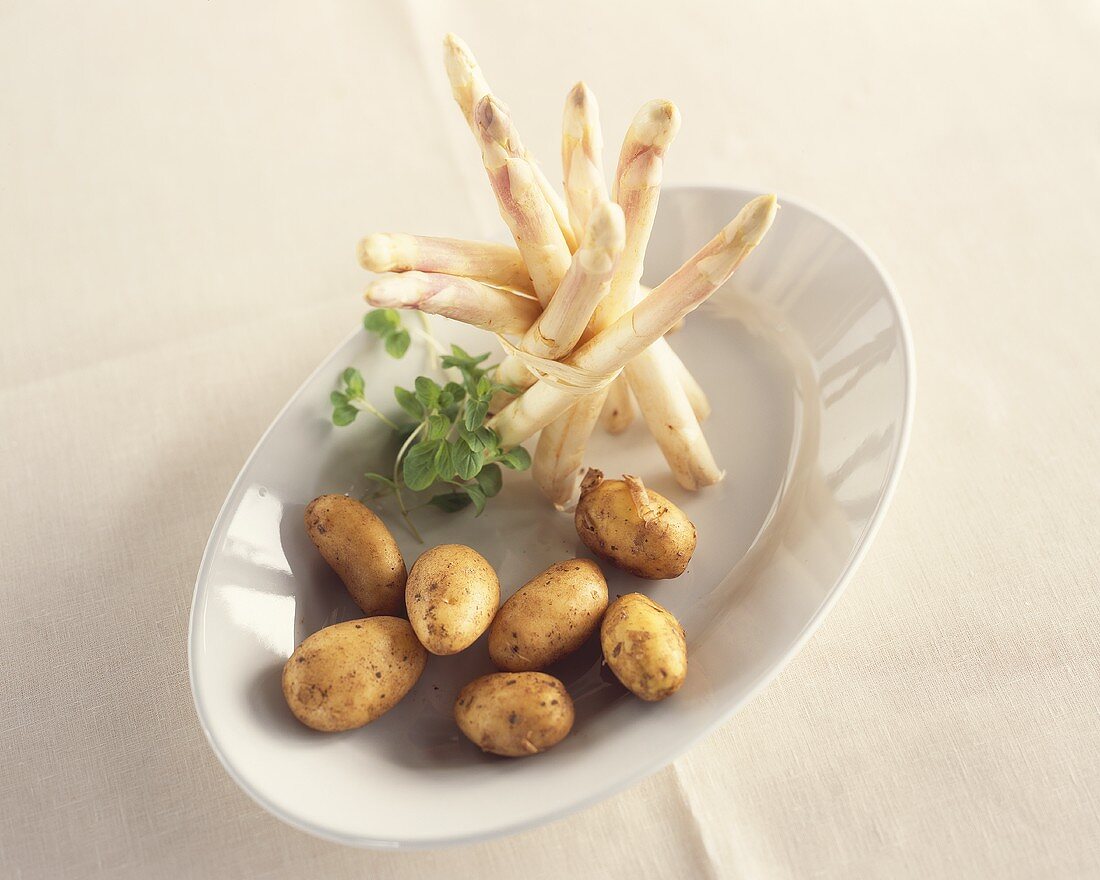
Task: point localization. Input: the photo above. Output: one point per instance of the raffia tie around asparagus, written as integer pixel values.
(585, 342)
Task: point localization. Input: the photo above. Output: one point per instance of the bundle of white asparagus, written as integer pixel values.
(584, 340)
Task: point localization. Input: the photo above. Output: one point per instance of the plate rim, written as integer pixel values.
(657, 761)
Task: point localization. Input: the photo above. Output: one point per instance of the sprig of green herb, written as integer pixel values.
(446, 445)
(386, 325)
(454, 447)
(351, 399)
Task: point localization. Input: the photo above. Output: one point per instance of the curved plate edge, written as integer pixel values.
(658, 761)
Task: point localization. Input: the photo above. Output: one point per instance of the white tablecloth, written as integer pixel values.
(181, 189)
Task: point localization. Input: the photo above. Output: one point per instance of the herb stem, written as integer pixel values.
(435, 350)
(459, 416)
(397, 481)
(361, 403)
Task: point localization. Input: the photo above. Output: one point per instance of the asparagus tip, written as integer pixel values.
(606, 227)
(656, 124)
(460, 64)
(580, 93)
(453, 43)
(580, 120)
(757, 218)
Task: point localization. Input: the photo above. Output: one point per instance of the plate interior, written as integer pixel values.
(806, 359)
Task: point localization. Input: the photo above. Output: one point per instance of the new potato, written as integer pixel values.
(636, 529)
(451, 595)
(361, 550)
(514, 713)
(349, 674)
(550, 616)
(644, 645)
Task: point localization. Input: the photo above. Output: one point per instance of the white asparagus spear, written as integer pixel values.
(656, 378)
(669, 417)
(469, 86)
(560, 453)
(522, 205)
(637, 189)
(559, 458)
(497, 264)
(696, 396)
(563, 321)
(682, 292)
(461, 299)
(582, 156)
(662, 395)
(618, 410)
(468, 83)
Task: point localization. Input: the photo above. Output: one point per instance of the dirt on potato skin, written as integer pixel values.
(645, 646)
(351, 673)
(609, 525)
(549, 617)
(514, 714)
(451, 596)
(355, 542)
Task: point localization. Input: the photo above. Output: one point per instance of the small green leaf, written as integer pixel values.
(476, 496)
(381, 321)
(418, 468)
(466, 461)
(507, 389)
(451, 502)
(379, 478)
(408, 402)
(354, 380)
(489, 438)
(490, 479)
(344, 415)
(455, 390)
(438, 426)
(427, 392)
(518, 459)
(467, 357)
(484, 388)
(471, 438)
(397, 343)
(338, 398)
(462, 360)
(476, 411)
(444, 463)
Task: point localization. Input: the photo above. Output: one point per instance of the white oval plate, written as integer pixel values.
(807, 359)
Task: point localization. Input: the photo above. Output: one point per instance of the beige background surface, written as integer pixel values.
(181, 188)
